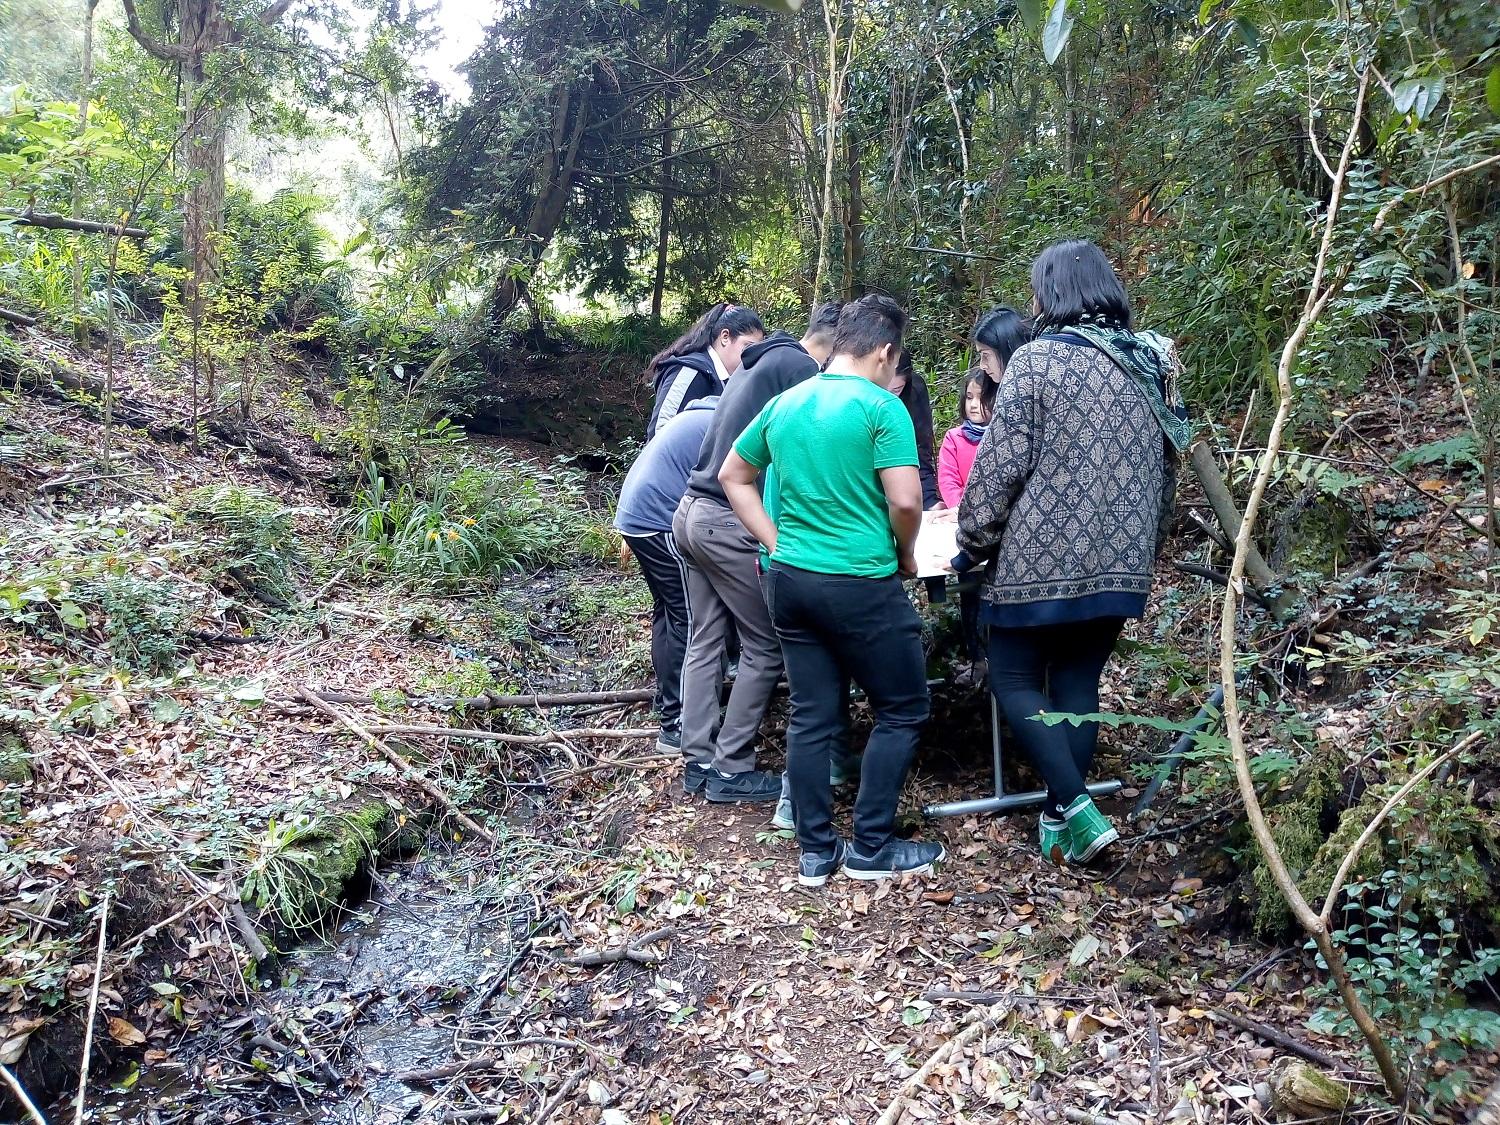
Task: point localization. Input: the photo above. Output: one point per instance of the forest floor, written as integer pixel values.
(449, 988)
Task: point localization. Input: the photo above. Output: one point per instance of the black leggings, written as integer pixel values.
(1053, 668)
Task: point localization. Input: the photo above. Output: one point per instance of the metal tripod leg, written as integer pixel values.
(1002, 801)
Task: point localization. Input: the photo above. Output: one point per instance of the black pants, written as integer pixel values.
(1053, 668)
(834, 628)
(968, 610)
(666, 577)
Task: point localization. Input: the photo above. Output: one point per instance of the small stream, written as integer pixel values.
(378, 998)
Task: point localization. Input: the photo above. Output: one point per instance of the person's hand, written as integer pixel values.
(943, 515)
(906, 565)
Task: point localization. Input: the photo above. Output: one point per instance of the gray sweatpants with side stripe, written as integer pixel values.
(724, 595)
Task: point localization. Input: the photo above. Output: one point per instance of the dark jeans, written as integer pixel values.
(1053, 668)
(834, 628)
(968, 610)
(666, 578)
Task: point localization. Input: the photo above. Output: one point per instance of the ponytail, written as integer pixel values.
(736, 319)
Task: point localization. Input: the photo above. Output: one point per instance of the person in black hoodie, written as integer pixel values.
(700, 361)
(724, 592)
(911, 389)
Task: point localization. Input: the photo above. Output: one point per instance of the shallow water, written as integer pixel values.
(372, 1001)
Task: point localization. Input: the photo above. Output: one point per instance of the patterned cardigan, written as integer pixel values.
(1071, 490)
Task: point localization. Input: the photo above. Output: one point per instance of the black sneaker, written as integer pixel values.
(898, 857)
(695, 777)
(669, 740)
(752, 785)
(813, 869)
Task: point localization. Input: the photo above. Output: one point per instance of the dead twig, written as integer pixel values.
(551, 738)
(630, 951)
(490, 1060)
(253, 945)
(1081, 1117)
(88, 1030)
(569, 1084)
(22, 1096)
(983, 1021)
(408, 770)
(1279, 1038)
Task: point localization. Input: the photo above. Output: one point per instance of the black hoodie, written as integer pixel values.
(679, 381)
(776, 364)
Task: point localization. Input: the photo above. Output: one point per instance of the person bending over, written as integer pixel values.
(850, 504)
(911, 389)
(648, 499)
(724, 591)
(700, 361)
(1067, 500)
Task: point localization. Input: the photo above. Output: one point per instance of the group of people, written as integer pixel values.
(776, 505)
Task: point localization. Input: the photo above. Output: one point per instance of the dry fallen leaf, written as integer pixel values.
(123, 1031)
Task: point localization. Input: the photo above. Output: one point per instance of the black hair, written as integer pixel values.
(737, 319)
(975, 376)
(1074, 283)
(1002, 330)
(825, 319)
(905, 367)
(868, 324)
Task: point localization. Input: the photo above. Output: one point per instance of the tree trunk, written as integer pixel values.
(832, 23)
(85, 89)
(659, 285)
(854, 220)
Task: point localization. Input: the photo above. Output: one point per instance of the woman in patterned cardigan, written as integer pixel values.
(1066, 505)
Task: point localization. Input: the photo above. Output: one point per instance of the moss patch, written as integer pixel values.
(15, 757)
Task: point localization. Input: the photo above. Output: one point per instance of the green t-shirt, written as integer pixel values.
(828, 438)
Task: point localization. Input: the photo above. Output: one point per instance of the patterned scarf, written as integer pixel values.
(1150, 359)
(973, 430)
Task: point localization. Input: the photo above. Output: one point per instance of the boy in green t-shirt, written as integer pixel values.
(849, 502)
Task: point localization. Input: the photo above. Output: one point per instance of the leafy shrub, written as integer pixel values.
(473, 521)
(94, 587)
(260, 549)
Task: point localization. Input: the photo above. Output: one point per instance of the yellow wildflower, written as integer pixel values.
(432, 537)
(468, 522)
(452, 534)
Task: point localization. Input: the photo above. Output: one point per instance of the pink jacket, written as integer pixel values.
(955, 459)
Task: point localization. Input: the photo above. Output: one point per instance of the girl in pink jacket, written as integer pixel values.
(960, 444)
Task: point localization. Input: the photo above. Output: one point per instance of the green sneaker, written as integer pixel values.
(1056, 843)
(1089, 830)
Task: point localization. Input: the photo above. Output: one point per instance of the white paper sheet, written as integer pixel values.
(937, 543)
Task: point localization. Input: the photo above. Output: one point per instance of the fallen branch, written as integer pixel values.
(22, 1096)
(983, 1021)
(1279, 1038)
(629, 951)
(552, 738)
(428, 787)
(88, 1029)
(19, 319)
(253, 945)
(1205, 466)
(490, 1060)
(49, 221)
(214, 890)
(493, 701)
(1081, 1117)
(569, 1084)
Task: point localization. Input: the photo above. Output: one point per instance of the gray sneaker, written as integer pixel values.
(898, 857)
(782, 818)
(813, 869)
(669, 741)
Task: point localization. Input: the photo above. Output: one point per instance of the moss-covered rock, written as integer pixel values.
(302, 874)
(1300, 821)
(15, 757)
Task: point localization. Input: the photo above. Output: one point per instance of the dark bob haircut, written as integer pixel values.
(868, 324)
(1075, 284)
